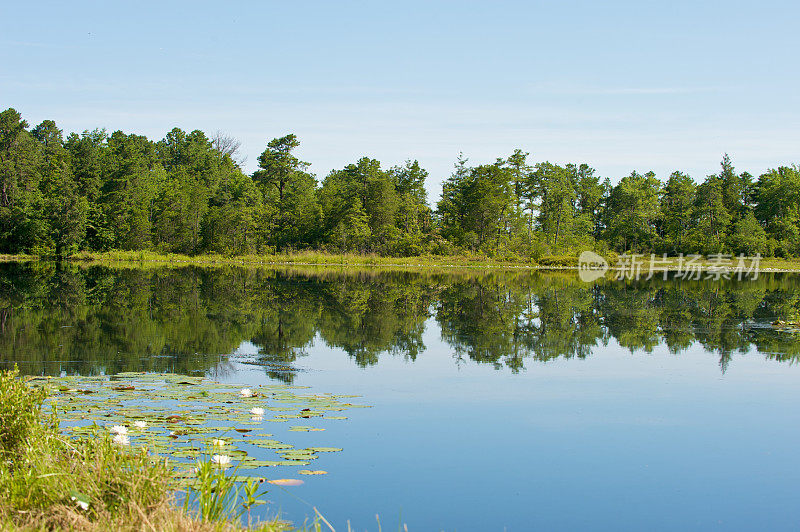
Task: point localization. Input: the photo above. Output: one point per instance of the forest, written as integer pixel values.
(187, 193)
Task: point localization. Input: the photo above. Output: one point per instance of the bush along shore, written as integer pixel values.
(49, 481)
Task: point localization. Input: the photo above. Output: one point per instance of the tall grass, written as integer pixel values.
(304, 258)
(348, 260)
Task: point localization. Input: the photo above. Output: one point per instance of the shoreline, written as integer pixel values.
(326, 260)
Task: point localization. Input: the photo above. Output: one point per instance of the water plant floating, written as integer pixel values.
(184, 418)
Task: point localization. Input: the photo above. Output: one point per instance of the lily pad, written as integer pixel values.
(286, 482)
(183, 414)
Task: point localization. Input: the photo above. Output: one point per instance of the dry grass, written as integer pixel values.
(164, 518)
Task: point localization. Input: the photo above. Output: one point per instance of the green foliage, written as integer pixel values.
(777, 208)
(736, 189)
(21, 222)
(677, 206)
(369, 210)
(748, 237)
(277, 165)
(218, 495)
(558, 195)
(478, 208)
(633, 208)
(215, 493)
(186, 194)
(712, 219)
(232, 224)
(20, 409)
(291, 211)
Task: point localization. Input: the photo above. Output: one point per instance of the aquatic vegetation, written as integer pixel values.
(184, 415)
(221, 460)
(103, 468)
(49, 482)
(286, 482)
(215, 494)
(301, 428)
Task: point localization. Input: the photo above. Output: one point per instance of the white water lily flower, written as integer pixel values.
(119, 429)
(140, 424)
(221, 459)
(246, 392)
(83, 505)
(218, 443)
(257, 411)
(121, 439)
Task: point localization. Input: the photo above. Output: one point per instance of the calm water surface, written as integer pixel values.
(501, 401)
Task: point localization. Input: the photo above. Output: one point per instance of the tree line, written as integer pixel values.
(187, 193)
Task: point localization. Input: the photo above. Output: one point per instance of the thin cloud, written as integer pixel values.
(555, 88)
(653, 90)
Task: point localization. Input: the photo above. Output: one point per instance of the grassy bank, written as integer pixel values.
(305, 258)
(348, 260)
(51, 482)
(314, 258)
(17, 258)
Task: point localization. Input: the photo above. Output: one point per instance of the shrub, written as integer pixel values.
(20, 411)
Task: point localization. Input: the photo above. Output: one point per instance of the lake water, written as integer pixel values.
(500, 401)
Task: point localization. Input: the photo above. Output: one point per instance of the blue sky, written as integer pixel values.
(623, 86)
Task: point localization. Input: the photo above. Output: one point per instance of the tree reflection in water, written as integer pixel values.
(56, 318)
